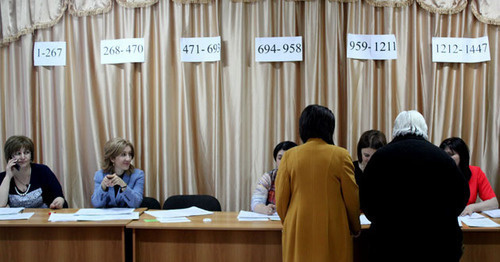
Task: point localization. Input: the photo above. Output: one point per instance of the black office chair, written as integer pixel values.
(206, 202)
(150, 203)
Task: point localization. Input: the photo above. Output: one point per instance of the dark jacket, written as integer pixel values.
(412, 192)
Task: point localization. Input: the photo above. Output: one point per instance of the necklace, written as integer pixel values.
(25, 192)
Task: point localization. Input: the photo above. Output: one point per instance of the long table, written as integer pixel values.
(227, 239)
(37, 239)
(223, 239)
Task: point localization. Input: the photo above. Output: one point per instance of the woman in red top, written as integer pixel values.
(478, 183)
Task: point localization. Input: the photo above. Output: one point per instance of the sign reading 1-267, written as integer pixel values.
(49, 54)
(278, 49)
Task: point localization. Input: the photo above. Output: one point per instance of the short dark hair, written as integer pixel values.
(371, 139)
(459, 146)
(285, 145)
(15, 143)
(317, 122)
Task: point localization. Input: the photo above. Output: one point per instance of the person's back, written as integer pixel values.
(413, 194)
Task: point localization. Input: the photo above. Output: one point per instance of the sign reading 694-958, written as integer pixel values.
(125, 50)
(200, 49)
(278, 49)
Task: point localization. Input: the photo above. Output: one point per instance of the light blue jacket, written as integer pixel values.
(131, 197)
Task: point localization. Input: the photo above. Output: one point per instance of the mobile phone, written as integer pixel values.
(17, 166)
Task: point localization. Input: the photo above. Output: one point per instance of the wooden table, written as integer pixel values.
(223, 239)
(37, 239)
(481, 244)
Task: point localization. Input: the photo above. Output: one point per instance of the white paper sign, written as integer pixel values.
(278, 49)
(372, 47)
(200, 49)
(119, 51)
(49, 54)
(460, 50)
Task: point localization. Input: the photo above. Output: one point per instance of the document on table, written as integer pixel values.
(10, 210)
(62, 217)
(495, 213)
(253, 216)
(103, 211)
(131, 216)
(18, 216)
(364, 220)
(477, 222)
(173, 219)
(184, 212)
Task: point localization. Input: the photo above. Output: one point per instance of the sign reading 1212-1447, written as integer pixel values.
(125, 50)
(372, 47)
(278, 49)
(49, 54)
(460, 50)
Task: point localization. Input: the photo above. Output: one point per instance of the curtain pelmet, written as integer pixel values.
(443, 6)
(390, 3)
(89, 8)
(23, 17)
(486, 11)
(136, 3)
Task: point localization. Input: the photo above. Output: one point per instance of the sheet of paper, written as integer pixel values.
(18, 216)
(62, 217)
(173, 219)
(364, 220)
(495, 213)
(253, 216)
(10, 210)
(103, 211)
(133, 215)
(184, 212)
(478, 222)
(474, 216)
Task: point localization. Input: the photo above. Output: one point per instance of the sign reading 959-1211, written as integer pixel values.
(278, 49)
(200, 49)
(125, 50)
(372, 47)
(460, 50)
(49, 54)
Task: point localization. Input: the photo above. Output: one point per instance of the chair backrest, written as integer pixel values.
(206, 202)
(150, 203)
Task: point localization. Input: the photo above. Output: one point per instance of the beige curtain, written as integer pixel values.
(209, 128)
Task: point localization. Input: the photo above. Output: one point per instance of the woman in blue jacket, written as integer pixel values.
(119, 183)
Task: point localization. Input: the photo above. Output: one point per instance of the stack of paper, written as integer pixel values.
(477, 220)
(14, 213)
(96, 214)
(495, 213)
(252, 216)
(364, 220)
(178, 215)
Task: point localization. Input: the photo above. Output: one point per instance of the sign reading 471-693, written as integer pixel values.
(200, 49)
(278, 49)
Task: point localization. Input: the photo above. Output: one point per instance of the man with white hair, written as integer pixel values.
(412, 194)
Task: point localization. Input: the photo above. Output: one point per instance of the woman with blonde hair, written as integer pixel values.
(119, 183)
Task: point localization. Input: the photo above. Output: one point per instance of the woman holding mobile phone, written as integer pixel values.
(118, 183)
(24, 183)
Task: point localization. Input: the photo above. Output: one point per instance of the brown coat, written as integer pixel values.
(317, 200)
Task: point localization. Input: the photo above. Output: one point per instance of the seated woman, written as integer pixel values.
(263, 199)
(26, 184)
(369, 142)
(118, 184)
(478, 183)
